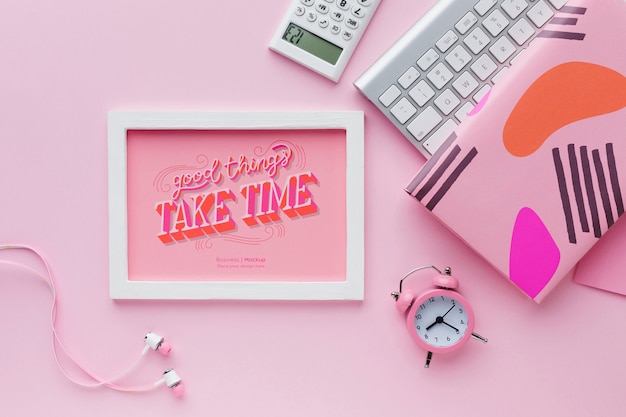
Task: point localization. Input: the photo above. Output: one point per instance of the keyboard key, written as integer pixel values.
(463, 111)
(502, 49)
(482, 93)
(496, 78)
(483, 67)
(440, 75)
(428, 59)
(558, 3)
(483, 6)
(466, 23)
(458, 58)
(447, 102)
(477, 40)
(408, 77)
(465, 84)
(403, 110)
(446, 41)
(495, 22)
(514, 7)
(421, 93)
(540, 13)
(439, 136)
(424, 123)
(389, 96)
(521, 31)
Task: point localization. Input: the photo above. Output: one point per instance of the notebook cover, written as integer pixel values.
(535, 178)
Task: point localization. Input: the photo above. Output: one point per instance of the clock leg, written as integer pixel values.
(429, 356)
(479, 337)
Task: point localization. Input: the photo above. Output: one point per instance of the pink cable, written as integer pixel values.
(56, 340)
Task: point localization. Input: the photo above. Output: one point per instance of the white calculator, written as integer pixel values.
(322, 34)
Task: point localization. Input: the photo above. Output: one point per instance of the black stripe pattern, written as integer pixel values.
(593, 181)
(566, 16)
(437, 182)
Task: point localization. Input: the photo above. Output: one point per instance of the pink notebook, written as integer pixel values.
(535, 178)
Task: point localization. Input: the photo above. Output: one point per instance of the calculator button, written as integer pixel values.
(358, 11)
(300, 11)
(483, 6)
(483, 67)
(458, 58)
(447, 101)
(466, 23)
(514, 7)
(428, 59)
(311, 16)
(440, 136)
(343, 4)
(351, 23)
(347, 35)
(335, 29)
(365, 3)
(502, 49)
(338, 16)
(389, 96)
(446, 41)
(477, 40)
(408, 77)
(307, 2)
(403, 110)
(424, 123)
(323, 23)
(465, 84)
(540, 13)
(421, 93)
(521, 31)
(322, 8)
(495, 22)
(440, 75)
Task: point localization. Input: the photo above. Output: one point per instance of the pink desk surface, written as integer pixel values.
(66, 63)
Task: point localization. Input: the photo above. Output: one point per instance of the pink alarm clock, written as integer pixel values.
(439, 319)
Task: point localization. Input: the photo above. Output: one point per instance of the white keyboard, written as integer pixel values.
(429, 80)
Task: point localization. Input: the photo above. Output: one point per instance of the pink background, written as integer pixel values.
(66, 63)
(302, 248)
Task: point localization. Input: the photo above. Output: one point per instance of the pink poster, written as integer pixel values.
(229, 202)
(243, 205)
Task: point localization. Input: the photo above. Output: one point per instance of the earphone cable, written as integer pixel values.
(56, 340)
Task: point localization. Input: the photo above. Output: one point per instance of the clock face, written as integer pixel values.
(440, 320)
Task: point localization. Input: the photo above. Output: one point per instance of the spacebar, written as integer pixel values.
(439, 137)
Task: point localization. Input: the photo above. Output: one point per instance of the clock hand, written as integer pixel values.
(449, 325)
(448, 311)
(439, 319)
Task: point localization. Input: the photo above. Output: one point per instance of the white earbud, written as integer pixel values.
(155, 342)
(173, 381)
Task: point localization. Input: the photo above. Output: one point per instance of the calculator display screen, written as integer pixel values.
(312, 43)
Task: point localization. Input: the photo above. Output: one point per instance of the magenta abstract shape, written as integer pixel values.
(534, 254)
(479, 106)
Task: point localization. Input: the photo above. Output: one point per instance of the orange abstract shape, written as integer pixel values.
(565, 94)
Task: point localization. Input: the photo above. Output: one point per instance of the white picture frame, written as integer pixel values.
(120, 123)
